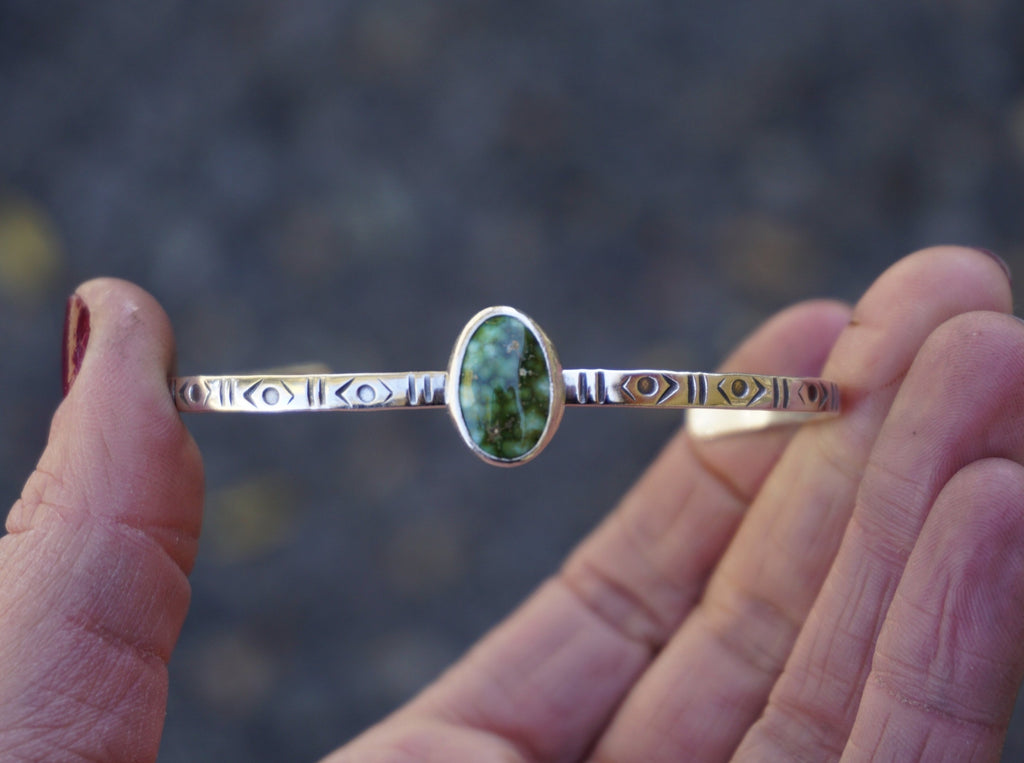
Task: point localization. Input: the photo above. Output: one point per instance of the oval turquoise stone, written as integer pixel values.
(504, 388)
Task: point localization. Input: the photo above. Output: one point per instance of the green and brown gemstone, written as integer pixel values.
(505, 388)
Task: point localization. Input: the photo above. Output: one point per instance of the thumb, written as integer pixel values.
(93, 587)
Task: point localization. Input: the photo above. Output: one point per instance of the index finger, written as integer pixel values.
(712, 680)
(544, 683)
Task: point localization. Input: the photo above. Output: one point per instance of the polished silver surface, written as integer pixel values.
(740, 401)
(282, 393)
(591, 387)
(693, 389)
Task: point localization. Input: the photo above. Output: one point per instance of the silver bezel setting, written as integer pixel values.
(557, 384)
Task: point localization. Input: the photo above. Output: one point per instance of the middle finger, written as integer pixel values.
(713, 678)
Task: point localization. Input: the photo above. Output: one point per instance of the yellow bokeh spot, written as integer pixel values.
(30, 250)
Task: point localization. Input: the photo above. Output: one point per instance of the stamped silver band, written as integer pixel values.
(262, 393)
(503, 375)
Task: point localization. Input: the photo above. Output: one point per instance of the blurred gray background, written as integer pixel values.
(350, 181)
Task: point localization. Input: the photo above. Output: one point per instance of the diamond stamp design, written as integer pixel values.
(506, 390)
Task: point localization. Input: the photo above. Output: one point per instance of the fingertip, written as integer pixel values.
(126, 311)
(977, 527)
(117, 445)
(1003, 264)
(830, 310)
(984, 338)
(95, 595)
(129, 357)
(794, 342)
(963, 392)
(975, 273)
(829, 316)
(977, 256)
(904, 306)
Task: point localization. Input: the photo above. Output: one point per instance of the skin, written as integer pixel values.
(850, 590)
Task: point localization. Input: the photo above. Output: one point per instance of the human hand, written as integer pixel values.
(854, 588)
(93, 587)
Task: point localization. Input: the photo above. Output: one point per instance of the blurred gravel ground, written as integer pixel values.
(350, 181)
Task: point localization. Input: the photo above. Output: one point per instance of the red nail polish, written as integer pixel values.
(76, 339)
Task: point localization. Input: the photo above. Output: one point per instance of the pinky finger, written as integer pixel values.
(950, 656)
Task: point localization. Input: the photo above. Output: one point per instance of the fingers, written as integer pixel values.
(948, 663)
(545, 682)
(92, 574)
(949, 413)
(645, 567)
(712, 680)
